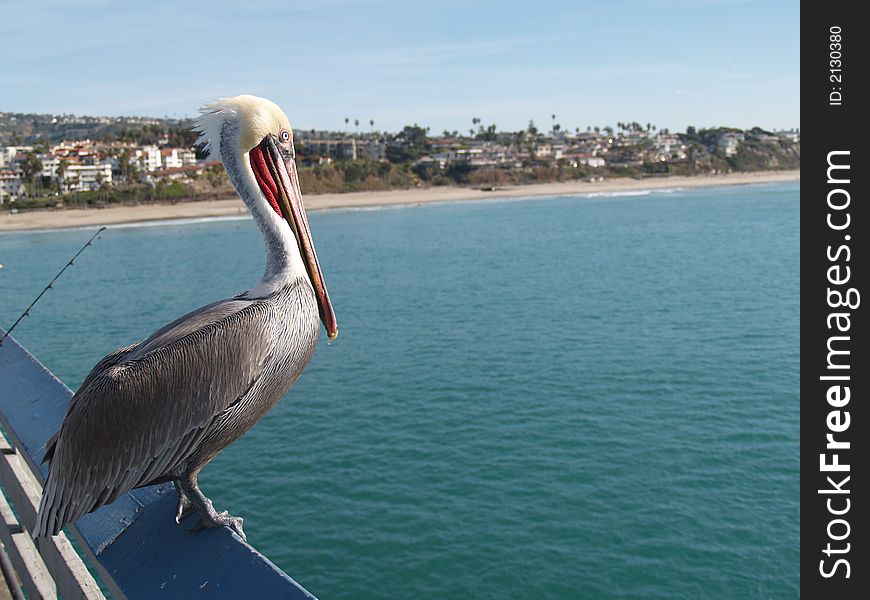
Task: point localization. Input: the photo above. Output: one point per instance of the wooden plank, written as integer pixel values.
(66, 567)
(10, 586)
(35, 578)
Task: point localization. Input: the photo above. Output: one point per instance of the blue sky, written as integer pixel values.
(670, 62)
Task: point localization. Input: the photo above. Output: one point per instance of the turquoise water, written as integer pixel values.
(560, 398)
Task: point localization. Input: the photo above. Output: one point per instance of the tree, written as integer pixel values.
(346, 122)
(61, 169)
(127, 166)
(372, 124)
(519, 139)
(487, 134)
(356, 124)
(408, 145)
(30, 167)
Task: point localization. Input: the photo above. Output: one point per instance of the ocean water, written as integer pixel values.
(555, 398)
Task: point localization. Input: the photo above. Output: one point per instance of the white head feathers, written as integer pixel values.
(255, 118)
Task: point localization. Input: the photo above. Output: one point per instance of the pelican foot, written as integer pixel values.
(185, 506)
(222, 519)
(208, 516)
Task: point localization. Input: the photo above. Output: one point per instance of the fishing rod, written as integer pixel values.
(51, 283)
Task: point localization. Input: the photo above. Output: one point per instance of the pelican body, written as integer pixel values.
(161, 409)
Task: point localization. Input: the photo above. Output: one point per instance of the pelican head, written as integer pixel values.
(253, 138)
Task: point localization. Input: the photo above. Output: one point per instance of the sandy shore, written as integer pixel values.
(54, 219)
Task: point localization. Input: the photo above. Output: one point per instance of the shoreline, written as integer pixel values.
(116, 215)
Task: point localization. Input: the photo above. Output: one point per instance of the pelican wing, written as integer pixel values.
(142, 410)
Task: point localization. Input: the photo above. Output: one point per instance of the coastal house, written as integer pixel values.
(8, 154)
(173, 158)
(792, 135)
(336, 148)
(635, 138)
(11, 186)
(83, 150)
(584, 158)
(170, 159)
(50, 165)
(184, 173)
(148, 157)
(729, 141)
(84, 178)
(669, 146)
(544, 150)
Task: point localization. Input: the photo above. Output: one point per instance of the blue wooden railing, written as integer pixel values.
(134, 544)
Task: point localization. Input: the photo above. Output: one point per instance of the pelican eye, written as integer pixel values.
(284, 136)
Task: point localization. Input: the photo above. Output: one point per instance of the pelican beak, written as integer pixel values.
(281, 168)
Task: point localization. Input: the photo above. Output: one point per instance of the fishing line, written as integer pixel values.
(51, 283)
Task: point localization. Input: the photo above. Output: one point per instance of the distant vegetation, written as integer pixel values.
(412, 157)
(43, 130)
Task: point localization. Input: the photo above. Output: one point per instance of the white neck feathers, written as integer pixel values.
(283, 260)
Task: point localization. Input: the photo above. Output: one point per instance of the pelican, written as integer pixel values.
(161, 409)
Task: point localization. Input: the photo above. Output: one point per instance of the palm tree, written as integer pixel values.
(346, 121)
(30, 167)
(372, 124)
(356, 124)
(553, 119)
(61, 169)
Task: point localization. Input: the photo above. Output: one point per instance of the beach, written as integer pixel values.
(67, 218)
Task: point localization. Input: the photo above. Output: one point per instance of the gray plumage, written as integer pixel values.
(161, 409)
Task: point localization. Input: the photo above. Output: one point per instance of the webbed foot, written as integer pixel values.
(222, 519)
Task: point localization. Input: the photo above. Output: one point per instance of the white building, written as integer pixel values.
(11, 186)
(82, 178)
(187, 156)
(148, 158)
(730, 141)
(8, 154)
(585, 158)
(792, 135)
(50, 164)
(669, 146)
(170, 158)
